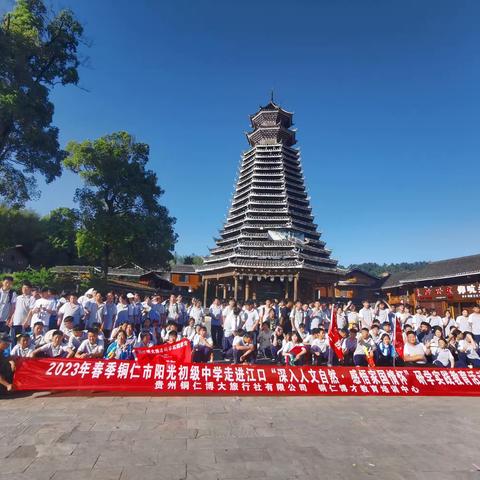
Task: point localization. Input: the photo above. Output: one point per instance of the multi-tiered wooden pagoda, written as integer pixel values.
(269, 246)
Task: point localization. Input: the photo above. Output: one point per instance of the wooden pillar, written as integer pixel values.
(235, 287)
(247, 289)
(205, 290)
(224, 291)
(295, 288)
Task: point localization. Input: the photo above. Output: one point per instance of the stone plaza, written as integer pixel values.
(69, 437)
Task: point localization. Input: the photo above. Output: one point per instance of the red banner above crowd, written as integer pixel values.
(208, 379)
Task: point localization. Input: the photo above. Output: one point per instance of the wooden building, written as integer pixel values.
(185, 280)
(357, 285)
(13, 259)
(269, 246)
(447, 284)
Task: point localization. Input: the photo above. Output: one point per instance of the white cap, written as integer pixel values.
(90, 291)
(130, 295)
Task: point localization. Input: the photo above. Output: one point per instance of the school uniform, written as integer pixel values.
(366, 317)
(384, 355)
(238, 341)
(435, 321)
(320, 347)
(202, 348)
(474, 319)
(90, 348)
(231, 323)
(443, 358)
(51, 351)
(19, 352)
(215, 312)
(417, 349)
(360, 353)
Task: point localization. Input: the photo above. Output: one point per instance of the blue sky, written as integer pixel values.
(385, 95)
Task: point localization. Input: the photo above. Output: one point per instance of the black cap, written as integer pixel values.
(4, 337)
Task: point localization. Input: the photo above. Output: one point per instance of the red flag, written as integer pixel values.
(370, 359)
(296, 350)
(179, 352)
(334, 339)
(398, 342)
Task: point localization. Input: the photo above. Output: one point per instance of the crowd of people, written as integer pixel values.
(41, 323)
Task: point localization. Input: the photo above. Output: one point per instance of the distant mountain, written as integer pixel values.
(378, 269)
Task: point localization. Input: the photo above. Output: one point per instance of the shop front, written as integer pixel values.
(451, 297)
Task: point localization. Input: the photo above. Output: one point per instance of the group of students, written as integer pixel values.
(38, 322)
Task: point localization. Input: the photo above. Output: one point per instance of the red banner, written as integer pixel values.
(210, 379)
(180, 352)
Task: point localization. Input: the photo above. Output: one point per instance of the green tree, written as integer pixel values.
(38, 278)
(36, 53)
(121, 217)
(60, 227)
(19, 227)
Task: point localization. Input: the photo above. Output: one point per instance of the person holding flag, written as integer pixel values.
(334, 338)
(398, 342)
(363, 354)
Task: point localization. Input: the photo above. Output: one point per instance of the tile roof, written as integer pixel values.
(183, 269)
(452, 267)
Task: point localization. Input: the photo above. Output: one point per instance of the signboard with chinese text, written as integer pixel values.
(449, 292)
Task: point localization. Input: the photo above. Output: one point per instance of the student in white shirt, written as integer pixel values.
(196, 312)
(231, 323)
(448, 323)
(365, 348)
(251, 320)
(67, 327)
(7, 302)
(37, 338)
(109, 314)
(244, 348)
(366, 315)
(91, 347)
(434, 342)
(297, 316)
(468, 351)
(443, 357)
(189, 331)
(22, 349)
(418, 318)
(474, 319)
(122, 313)
(434, 319)
(75, 340)
(144, 340)
(382, 310)
(352, 317)
(71, 309)
(463, 322)
(89, 294)
(43, 308)
(22, 311)
(319, 347)
(55, 349)
(414, 353)
(202, 346)
(216, 322)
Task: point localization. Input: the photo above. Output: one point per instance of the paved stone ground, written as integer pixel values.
(119, 438)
